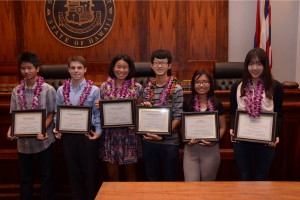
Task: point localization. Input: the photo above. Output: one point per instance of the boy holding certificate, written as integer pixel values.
(161, 152)
(34, 93)
(80, 149)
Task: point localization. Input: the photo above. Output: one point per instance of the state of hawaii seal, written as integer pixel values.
(79, 23)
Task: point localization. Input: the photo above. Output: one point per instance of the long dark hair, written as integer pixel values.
(266, 76)
(211, 93)
(128, 60)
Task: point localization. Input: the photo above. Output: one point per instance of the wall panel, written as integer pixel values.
(192, 30)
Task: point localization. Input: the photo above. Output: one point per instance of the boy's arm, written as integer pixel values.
(13, 106)
(175, 124)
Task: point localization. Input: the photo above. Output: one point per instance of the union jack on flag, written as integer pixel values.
(263, 28)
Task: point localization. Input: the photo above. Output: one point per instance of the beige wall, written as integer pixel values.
(285, 35)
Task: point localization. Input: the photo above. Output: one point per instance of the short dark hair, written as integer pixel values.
(29, 57)
(128, 60)
(266, 76)
(77, 59)
(161, 54)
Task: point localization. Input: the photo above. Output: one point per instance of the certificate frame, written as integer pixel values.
(268, 118)
(65, 110)
(165, 118)
(188, 131)
(19, 115)
(108, 112)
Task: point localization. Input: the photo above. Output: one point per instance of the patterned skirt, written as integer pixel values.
(120, 146)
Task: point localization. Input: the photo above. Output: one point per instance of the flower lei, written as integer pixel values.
(127, 91)
(85, 93)
(166, 95)
(37, 91)
(253, 98)
(197, 106)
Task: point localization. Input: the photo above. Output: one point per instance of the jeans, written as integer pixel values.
(26, 162)
(253, 160)
(160, 158)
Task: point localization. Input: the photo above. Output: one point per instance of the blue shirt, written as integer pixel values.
(75, 93)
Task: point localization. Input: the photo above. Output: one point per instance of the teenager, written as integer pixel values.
(257, 92)
(80, 150)
(34, 93)
(160, 153)
(201, 159)
(120, 146)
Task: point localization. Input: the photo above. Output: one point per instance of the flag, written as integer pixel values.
(263, 28)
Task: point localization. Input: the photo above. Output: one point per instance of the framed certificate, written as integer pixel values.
(156, 120)
(200, 126)
(117, 113)
(74, 119)
(259, 129)
(28, 122)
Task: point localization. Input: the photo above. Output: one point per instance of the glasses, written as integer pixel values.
(204, 82)
(156, 63)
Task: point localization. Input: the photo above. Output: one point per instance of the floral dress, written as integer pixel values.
(120, 145)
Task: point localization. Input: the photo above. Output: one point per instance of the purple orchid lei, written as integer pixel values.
(167, 93)
(197, 106)
(253, 98)
(127, 91)
(37, 91)
(85, 93)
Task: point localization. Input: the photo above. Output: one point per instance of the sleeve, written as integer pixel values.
(177, 106)
(139, 90)
(59, 101)
(13, 100)
(96, 112)
(233, 103)
(278, 101)
(51, 99)
(144, 95)
(102, 90)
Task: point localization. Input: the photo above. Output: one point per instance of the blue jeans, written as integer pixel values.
(27, 174)
(253, 160)
(159, 157)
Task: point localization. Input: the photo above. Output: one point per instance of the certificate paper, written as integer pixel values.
(156, 120)
(259, 129)
(200, 126)
(117, 113)
(28, 122)
(74, 119)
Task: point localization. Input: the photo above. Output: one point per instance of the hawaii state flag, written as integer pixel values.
(263, 27)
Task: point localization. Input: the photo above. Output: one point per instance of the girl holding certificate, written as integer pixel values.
(257, 92)
(120, 146)
(201, 159)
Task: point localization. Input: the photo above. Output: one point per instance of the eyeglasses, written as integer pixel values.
(204, 82)
(156, 63)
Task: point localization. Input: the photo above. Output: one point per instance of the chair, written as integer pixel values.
(143, 73)
(226, 73)
(54, 74)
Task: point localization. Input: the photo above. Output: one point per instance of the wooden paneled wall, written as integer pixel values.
(191, 30)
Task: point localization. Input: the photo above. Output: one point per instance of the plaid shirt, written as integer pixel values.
(31, 145)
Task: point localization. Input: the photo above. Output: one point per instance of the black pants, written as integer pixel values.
(253, 160)
(26, 162)
(81, 157)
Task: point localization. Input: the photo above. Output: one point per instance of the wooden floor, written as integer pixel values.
(199, 190)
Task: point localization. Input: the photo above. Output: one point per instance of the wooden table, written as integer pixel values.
(199, 190)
